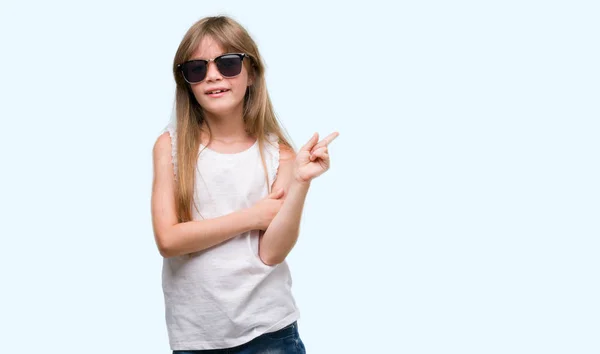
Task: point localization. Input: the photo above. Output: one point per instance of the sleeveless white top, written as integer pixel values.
(225, 296)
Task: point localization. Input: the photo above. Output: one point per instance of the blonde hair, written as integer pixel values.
(258, 113)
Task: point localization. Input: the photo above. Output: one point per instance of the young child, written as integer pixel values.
(227, 197)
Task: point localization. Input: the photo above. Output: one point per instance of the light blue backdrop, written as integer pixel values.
(460, 214)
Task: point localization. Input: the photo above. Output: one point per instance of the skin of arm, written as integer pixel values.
(173, 238)
(282, 234)
(296, 171)
(294, 177)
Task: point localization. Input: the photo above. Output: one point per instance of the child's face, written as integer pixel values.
(224, 103)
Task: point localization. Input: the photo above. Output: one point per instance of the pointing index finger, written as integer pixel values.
(327, 140)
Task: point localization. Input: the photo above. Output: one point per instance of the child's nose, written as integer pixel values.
(212, 72)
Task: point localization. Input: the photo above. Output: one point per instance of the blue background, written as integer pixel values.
(460, 214)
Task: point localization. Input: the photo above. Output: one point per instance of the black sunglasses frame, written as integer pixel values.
(206, 62)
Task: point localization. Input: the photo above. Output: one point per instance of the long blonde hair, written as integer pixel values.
(258, 113)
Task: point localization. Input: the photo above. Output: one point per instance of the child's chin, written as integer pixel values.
(216, 108)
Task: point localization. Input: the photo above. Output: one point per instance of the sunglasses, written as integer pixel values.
(229, 65)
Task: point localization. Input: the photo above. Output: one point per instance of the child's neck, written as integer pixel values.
(225, 128)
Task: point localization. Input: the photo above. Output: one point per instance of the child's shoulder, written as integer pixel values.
(271, 138)
(162, 146)
(163, 152)
(284, 152)
(167, 137)
(163, 141)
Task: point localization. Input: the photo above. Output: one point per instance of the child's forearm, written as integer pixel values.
(282, 234)
(194, 236)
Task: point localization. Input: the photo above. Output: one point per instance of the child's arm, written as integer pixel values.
(282, 234)
(295, 174)
(174, 239)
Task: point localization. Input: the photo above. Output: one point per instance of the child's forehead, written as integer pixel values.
(208, 49)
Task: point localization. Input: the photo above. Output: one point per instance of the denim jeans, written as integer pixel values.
(284, 341)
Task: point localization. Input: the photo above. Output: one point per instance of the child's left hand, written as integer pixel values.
(313, 158)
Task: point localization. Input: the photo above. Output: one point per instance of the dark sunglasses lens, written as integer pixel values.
(194, 71)
(229, 65)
